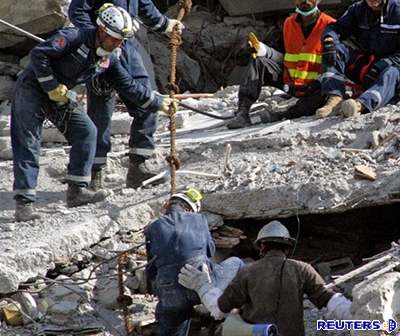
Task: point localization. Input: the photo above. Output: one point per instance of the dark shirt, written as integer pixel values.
(374, 32)
(308, 28)
(271, 290)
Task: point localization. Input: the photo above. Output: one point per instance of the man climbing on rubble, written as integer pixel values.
(101, 96)
(68, 58)
(374, 63)
(181, 236)
(270, 290)
(293, 66)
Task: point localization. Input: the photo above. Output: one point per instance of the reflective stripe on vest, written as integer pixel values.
(312, 58)
(296, 74)
(302, 60)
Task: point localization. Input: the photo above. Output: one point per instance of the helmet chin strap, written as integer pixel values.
(307, 13)
(102, 52)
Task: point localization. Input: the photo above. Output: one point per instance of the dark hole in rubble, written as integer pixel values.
(354, 234)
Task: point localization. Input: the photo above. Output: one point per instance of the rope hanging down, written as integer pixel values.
(175, 41)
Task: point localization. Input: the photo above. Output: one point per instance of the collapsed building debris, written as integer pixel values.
(68, 282)
(304, 166)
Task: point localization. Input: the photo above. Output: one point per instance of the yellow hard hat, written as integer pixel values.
(191, 196)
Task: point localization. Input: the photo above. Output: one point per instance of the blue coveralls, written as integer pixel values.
(375, 33)
(83, 13)
(66, 58)
(69, 58)
(175, 239)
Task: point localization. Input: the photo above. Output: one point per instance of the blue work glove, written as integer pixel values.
(329, 53)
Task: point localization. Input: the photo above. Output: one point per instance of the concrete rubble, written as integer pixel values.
(61, 270)
(304, 166)
(39, 17)
(377, 300)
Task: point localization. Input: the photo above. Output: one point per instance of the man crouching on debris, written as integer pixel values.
(68, 58)
(270, 290)
(294, 68)
(181, 236)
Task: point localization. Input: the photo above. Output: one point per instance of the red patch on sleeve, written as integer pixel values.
(104, 62)
(59, 42)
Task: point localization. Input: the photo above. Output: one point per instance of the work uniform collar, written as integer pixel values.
(275, 253)
(176, 208)
(91, 41)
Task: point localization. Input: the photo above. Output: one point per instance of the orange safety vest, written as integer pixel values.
(302, 60)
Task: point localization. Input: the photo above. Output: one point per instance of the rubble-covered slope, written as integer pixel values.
(278, 170)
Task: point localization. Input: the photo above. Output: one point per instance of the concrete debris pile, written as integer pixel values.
(82, 270)
(275, 170)
(83, 295)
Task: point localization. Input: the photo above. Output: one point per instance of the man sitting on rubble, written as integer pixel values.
(270, 290)
(294, 67)
(101, 94)
(181, 236)
(70, 57)
(375, 27)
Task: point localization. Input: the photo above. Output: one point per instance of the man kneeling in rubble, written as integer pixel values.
(270, 290)
(297, 75)
(181, 236)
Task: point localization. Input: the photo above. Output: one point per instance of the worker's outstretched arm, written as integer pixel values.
(200, 281)
(339, 307)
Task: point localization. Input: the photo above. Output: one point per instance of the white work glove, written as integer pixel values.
(171, 25)
(339, 307)
(271, 53)
(166, 102)
(192, 278)
(262, 50)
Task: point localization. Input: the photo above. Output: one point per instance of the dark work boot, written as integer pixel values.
(242, 118)
(24, 211)
(270, 116)
(96, 182)
(138, 171)
(77, 196)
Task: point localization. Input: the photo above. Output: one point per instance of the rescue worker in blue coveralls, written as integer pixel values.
(68, 58)
(375, 26)
(178, 237)
(101, 97)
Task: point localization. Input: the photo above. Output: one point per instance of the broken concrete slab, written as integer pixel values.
(9, 69)
(377, 300)
(187, 68)
(30, 249)
(7, 85)
(38, 17)
(278, 170)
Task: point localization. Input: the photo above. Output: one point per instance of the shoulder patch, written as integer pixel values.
(59, 42)
(104, 62)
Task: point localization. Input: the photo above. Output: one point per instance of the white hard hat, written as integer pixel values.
(275, 232)
(191, 196)
(117, 22)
